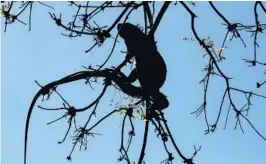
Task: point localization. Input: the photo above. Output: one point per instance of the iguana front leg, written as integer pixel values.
(133, 76)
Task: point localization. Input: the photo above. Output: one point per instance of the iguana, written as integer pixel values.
(150, 67)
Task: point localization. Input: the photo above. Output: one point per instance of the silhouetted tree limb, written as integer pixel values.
(213, 63)
(83, 23)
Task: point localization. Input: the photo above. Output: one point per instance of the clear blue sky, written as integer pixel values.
(45, 55)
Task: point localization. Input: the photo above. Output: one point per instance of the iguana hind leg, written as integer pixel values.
(160, 101)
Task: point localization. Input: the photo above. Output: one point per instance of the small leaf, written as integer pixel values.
(204, 55)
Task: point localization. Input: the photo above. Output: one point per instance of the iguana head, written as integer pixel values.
(129, 31)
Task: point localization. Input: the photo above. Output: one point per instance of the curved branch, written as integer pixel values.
(117, 77)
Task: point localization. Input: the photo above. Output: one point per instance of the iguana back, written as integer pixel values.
(151, 68)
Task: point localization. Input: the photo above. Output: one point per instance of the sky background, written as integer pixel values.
(43, 54)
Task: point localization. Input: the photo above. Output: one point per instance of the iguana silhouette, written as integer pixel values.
(150, 67)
